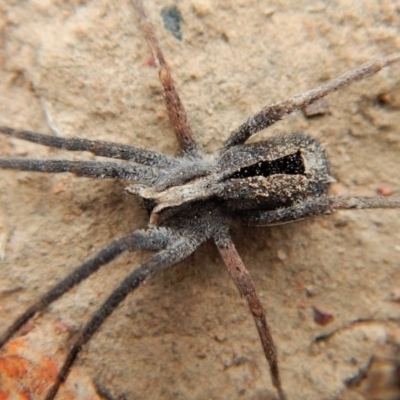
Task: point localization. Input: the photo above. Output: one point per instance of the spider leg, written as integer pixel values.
(314, 207)
(244, 283)
(166, 258)
(175, 109)
(155, 239)
(93, 169)
(96, 147)
(269, 115)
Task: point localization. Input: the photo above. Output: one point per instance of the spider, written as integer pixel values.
(213, 191)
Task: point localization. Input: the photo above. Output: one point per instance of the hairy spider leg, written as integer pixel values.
(162, 260)
(271, 114)
(99, 148)
(175, 109)
(155, 239)
(92, 169)
(314, 207)
(241, 276)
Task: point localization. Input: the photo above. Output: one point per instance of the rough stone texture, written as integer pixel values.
(187, 334)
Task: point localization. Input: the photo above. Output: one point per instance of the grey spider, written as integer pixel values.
(280, 180)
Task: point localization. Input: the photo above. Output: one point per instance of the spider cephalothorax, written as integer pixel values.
(193, 198)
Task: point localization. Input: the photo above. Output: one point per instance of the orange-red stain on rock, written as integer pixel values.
(26, 374)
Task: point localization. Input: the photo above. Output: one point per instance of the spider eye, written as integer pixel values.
(291, 164)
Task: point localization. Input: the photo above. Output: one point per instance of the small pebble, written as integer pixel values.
(322, 317)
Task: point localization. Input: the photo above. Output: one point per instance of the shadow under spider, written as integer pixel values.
(193, 198)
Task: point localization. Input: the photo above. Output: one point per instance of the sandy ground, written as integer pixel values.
(187, 334)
